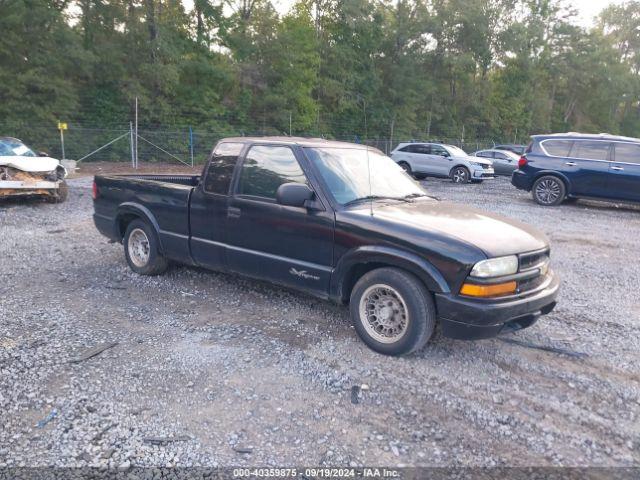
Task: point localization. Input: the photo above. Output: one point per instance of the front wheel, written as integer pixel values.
(460, 175)
(549, 191)
(392, 311)
(61, 194)
(406, 167)
(141, 249)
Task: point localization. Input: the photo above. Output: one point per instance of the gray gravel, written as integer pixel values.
(214, 370)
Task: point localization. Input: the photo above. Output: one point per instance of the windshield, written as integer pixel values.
(456, 152)
(11, 147)
(346, 174)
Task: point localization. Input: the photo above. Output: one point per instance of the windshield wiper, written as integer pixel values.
(374, 197)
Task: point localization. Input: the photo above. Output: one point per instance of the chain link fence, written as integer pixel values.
(171, 145)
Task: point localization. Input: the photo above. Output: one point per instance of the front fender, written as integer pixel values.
(419, 266)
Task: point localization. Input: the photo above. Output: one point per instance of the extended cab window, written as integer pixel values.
(221, 167)
(590, 150)
(627, 153)
(265, 168)
(557, 148)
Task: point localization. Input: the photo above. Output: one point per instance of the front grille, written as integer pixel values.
(530, 283)
(529, 261)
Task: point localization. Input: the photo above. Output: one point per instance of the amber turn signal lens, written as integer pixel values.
(495, 290)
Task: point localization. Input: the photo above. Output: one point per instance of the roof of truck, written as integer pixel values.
(302, 141)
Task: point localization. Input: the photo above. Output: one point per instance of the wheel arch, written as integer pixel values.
(459, 165)
(553, 173)
(354, 264)
(130, 211)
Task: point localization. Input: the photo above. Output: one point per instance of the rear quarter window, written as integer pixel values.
(557, 148)
(220, 169)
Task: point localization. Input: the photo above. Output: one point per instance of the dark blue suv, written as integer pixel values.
(573, 165)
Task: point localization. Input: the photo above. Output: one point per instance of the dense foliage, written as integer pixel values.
(339, 68)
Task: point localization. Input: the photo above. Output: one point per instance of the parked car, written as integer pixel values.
(512, 147)
(574, 165)
(341, 222)
(504, 161)
(440, 160)
(23, 172)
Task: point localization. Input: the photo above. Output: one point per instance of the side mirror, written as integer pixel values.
(43, 154)
(294, 194)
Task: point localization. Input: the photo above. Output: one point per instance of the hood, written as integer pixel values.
(493, 234)
(30, 164)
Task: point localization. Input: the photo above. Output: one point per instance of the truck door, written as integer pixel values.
(208, 207)
(287, 245)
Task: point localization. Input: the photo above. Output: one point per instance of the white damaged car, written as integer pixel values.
(23, 172)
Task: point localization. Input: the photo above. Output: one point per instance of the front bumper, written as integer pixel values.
(469, 319)
(19, 187)
(483, 173)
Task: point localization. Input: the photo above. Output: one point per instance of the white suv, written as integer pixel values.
(439, 160)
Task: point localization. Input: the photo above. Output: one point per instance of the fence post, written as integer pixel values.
(136, 138)
(133, 158)
(191, 144)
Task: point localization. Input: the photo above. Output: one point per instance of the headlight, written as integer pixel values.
(478, 164)
(495, 267)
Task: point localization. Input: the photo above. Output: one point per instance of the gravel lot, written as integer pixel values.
(214, 370)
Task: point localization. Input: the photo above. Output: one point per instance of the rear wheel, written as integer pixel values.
(460, 175)
(549, 191)
(392, 311)
(141, 249)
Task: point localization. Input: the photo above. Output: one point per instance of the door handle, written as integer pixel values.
(571, 164)
(617, 168)
(233, 212)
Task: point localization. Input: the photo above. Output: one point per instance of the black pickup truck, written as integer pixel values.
(342, 222)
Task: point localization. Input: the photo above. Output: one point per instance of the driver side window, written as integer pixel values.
(267, 167)
(438, 150)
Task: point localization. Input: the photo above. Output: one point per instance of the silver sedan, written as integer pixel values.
(504, 161)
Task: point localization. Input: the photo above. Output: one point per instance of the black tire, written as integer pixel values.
(410, 293)
(460, 174)
(549, 191)
(147, 261)
(406, 167)
(61, 195)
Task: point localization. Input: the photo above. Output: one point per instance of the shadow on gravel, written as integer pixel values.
(22, 201)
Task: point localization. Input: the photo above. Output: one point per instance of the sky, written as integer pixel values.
(587, 9)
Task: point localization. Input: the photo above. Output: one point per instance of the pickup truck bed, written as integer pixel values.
(130, 194)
